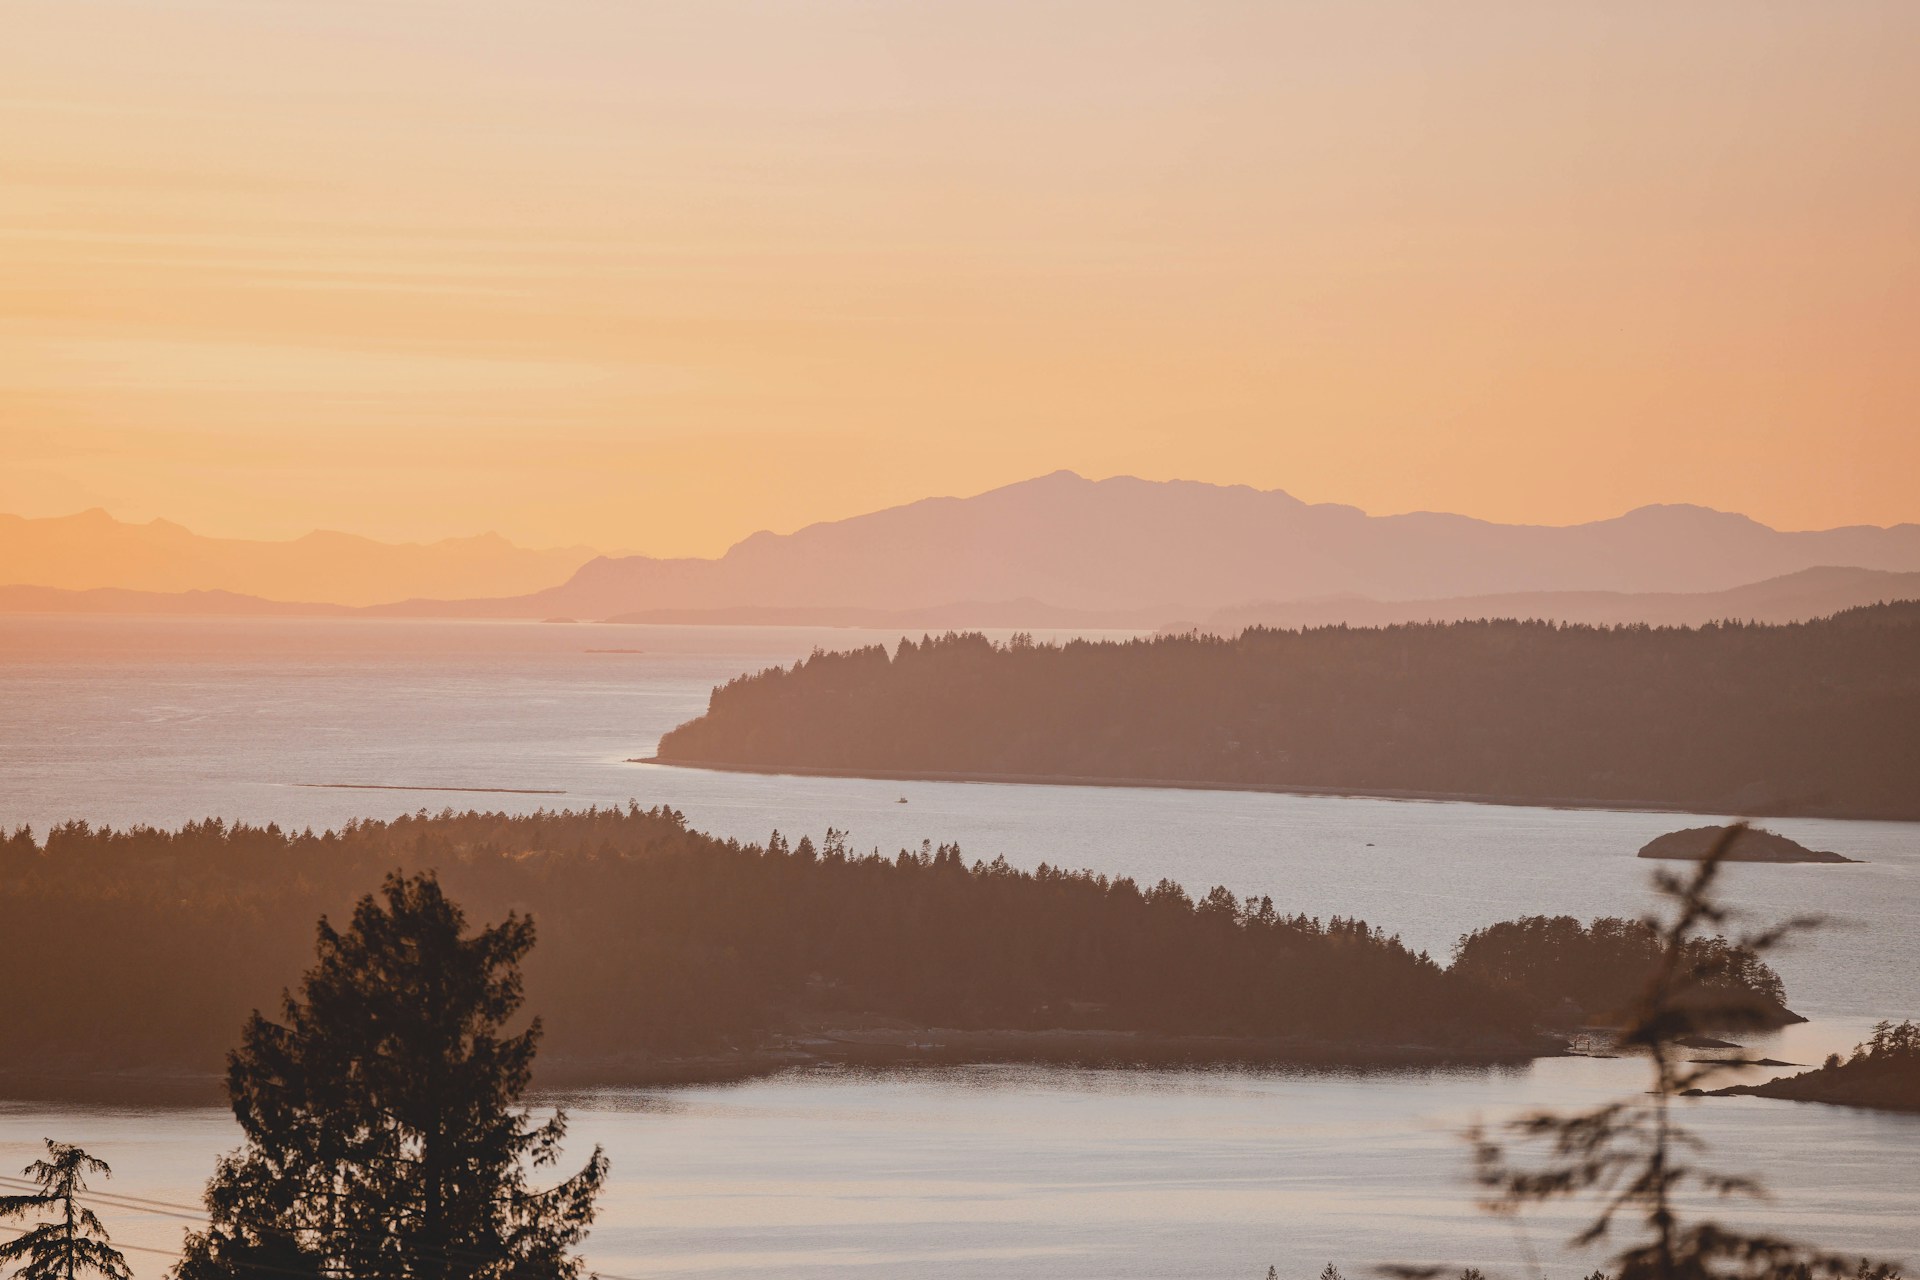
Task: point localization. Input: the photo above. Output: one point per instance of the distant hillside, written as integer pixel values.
(1793, 597)
(1179, 549)
(92, 550)
(999, 614)
(197, 604)
(1820, 717)
(1811, 593)
(1059, 551)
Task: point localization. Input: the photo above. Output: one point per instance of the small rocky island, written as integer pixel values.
(1752, 845)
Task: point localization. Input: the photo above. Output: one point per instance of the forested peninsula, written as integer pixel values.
(665, 954)
(1882, 1074)
(1807, 718)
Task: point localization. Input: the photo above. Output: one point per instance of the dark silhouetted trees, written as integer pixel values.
(1599, 971)
(1883, 1073)
(1818, 717)
(70, 1241)
(1631, 1159)
(661, 941)
(384, 1136)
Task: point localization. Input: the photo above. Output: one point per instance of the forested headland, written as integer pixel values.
(1883, 1073)
(665, 953)
(1813, 718)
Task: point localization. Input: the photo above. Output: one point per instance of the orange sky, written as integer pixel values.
(653, 276)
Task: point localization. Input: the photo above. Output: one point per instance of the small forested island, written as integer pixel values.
(1817, 718)
(666, 954)
(1750, 844)
(1592, 975)
(1883, 1073)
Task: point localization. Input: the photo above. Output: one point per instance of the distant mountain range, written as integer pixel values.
(1058, 551)
(1183, 550)
(198, 604)
(93, 550)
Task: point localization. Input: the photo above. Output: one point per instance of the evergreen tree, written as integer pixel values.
(384, 1136)
(73, 1243)
(1632, 1157)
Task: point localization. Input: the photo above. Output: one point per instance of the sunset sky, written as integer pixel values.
(652, 276)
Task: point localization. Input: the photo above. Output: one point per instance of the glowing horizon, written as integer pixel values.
(655, 280)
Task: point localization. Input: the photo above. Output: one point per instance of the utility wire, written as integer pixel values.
(117, 1200)
(198, 1216)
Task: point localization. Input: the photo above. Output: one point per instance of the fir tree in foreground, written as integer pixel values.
(1632, 1157)
(72, 1242)
(384, 1136)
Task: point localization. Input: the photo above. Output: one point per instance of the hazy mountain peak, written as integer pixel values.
(91, 516)
(1687, 511)
(1125, 544)
(1120, 545)
(92, 550)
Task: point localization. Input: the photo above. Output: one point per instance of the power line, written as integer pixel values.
(198, 1216)
(199, 1212)
(116, 1200)
(175, 1256)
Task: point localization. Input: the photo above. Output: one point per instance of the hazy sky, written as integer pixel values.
(653, 276)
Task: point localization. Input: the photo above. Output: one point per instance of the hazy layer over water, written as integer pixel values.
(976, 1173)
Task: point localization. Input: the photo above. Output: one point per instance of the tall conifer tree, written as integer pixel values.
(72, 1242)
(384, 1134)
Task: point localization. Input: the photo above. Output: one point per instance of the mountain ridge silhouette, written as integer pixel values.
(92, 551)
(1064, 548)
(1187, 549)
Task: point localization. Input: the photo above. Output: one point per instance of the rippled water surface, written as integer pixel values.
(981, 1172)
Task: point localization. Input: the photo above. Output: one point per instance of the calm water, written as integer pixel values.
(986, 1172)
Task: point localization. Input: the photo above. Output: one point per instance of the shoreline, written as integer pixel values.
(395, 786)
(942, 1047)
(932, 1048)
(1808, 1087)
(1270, 788)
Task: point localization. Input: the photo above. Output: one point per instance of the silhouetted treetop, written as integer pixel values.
(67, 1241)
(384, 1138)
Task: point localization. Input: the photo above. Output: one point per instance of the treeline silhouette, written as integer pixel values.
(1595, 972)
(1818, 717)
(1884, 1072)
(147, 947)
(1646, 1190)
